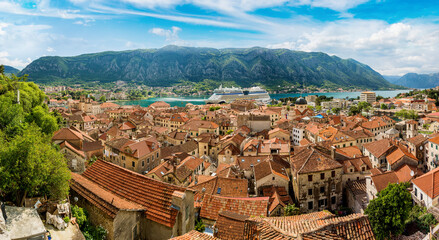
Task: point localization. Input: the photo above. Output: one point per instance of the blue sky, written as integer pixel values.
(393, 37)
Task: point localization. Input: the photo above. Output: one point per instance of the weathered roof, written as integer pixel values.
(195, 235)
(269, 167)
(307, 226)
(211, 206)
(227, 187)
(155, 196)
(429, 183)
(230, 225)
(378, 148)
(314, 159)
(108, 202)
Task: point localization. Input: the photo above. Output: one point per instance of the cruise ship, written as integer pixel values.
(227, 95)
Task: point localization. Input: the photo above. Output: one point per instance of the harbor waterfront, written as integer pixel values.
(200, 100)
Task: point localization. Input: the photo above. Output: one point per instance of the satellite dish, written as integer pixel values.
(412, 173)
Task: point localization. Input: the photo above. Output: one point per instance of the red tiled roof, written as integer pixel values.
(195, 235)
(314, 159)
(230, 225)
(378, 148)
(429, 183)
(154, 195)
(354, 226)
(104, 200)
(227, 187)
(211, 206)
(269, 167)
(382, 180)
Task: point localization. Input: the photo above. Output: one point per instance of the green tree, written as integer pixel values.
(103, 98)
(31, 166)
(199, 226)
(390, 210)
(230, 131)
(290, 210)
(353, 110)
(17, 112)
(383, 106)
(407, 114)
(363, 105)
(336, 110)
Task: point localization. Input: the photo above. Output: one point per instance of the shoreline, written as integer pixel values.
(199, 99)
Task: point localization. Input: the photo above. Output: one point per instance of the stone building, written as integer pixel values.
(131, 206)
(137, 156)
(77, 147)
(316, 179)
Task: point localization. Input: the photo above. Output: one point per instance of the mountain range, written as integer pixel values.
(243, 66)
(10, 70)
(414, 80)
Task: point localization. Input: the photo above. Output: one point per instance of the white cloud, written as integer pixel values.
(392, 49)
(49, 49)
(336, 5)
(155, 3)
(19, 42)
(169, 34)
(5, 59)
(42, 8)
(246, 5)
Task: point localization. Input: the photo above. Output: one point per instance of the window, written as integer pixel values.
(322, 189)
(157, 155)
(310, 191)
(147, 160)
(218, 191)
(363, 169)
(123, 157)
(273, 178)
(323, 202)
(333, 174)
(422, 196)
(143, 163)
(309, 178)
(416, 192)
(310, 206)
(133, 164)
(322, 176)
(333, 187)
(333, 200)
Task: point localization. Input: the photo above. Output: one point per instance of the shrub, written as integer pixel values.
(66, 219)
(81, 216)
(199, 226)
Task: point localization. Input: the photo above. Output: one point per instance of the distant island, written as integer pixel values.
(273, 69)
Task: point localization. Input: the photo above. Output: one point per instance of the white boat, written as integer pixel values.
(227, 95)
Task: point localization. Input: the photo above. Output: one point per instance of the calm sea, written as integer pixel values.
(199, 100)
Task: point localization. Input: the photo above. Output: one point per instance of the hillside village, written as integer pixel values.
(155, 172)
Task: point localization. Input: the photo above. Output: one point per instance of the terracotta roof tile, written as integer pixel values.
(104, 200)
(429, 183)
(211, 206)
(195, 235)
(380, 147)
(227, 187)
(152, 194)
(314, 159)
(230, 225)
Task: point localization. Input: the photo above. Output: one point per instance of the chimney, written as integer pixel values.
(333, 152)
